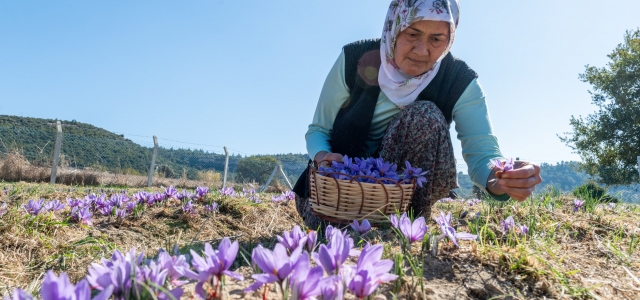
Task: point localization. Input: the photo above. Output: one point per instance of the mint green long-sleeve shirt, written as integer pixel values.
(470, 114)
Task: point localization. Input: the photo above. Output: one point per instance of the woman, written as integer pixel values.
(395, 97)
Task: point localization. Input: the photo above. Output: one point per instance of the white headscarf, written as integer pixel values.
(401, 88)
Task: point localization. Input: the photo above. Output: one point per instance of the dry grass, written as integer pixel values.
(14, 167)
(588, 254)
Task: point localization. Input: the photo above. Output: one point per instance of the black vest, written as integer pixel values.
(362, 62)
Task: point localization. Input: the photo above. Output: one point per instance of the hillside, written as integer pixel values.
(87, 146)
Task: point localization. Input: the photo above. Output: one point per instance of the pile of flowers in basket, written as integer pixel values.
(372, 169)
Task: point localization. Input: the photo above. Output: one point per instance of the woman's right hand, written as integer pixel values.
(329, 156)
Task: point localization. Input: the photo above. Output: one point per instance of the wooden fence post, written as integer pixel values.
(285, 177)
(56, 153)
(152, 167)
(264, 187)
(226, 167)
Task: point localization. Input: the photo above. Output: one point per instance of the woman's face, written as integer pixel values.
(420, 45)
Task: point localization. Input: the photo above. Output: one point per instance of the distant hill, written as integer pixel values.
(87, 146)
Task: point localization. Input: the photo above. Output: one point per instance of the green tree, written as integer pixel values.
(608, 141)
(255, 168)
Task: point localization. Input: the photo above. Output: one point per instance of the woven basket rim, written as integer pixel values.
(403, 203)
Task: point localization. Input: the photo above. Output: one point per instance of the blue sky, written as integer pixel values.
(247, 74)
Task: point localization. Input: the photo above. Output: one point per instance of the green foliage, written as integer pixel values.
(608, 140)
(564, 176)
(255, 168)
(591, 191)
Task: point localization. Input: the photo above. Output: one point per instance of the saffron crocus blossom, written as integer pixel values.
(412, 231)
(395, 221)
(19, 294)
(507, 224)
(361, 228)
(292, 239)
(305, 282)
(312, 241)
(150, 281)
(611, 205)
(3, 209)
(171, 193)
(53, 205)
(60, 288)
(448, 231)
(213, 266)
(81, 215)
(211, 207)
(332, 287)
(188, 208)
(34, 207)
(202, 192)
(276, 265)
(524, 230)
(502, 166)
(335, 253)
(255, 199)
(184, 195)
(577, 205)
(115, 277)
(227, 191)
(121, 213)
(411, 173)
(176, 266)
(473, 202)
(370, 271)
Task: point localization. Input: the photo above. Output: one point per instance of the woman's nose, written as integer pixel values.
(421, 49)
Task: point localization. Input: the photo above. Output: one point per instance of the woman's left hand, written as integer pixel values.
(518, 183)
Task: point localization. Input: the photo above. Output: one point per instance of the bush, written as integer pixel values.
(255, 168)
(592, 191)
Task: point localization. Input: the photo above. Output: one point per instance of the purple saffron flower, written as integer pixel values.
(370, 271)
(140, 196)
(150, 282)
(255, 199)
(276, 265)
(507, 224)
(176, 265)
(34, 207)
(131, 206)
(412, 231)
(335, 253)
(211, 207)
(114, 277)
(159, 197)
(214, 265)
(305, 282)
(3, 209)
(82, 215)
(185, 195)
(289, 195)
(188, 208)
(106, 210)
(502, 166)
(411, 173)
(312, 241)
(202, 192)
(395, 222)
(249, 191)
(332, 288)
(19, 294)
(74, 202)
(60, 288)
(53, 205)
(170, 193)
(121, 213)
(448, 231)
(578, 204)
(612, 205)
(473, 202)
(293, 239)
(524, 230)
(227, 191)
(361, 228)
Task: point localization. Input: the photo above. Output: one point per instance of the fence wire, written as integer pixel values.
(108, 153)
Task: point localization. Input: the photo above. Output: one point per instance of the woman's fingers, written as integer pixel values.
(520, 182)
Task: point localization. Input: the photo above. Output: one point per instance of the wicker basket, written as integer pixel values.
(342, 201)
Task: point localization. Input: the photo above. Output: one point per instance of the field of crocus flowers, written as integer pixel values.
(65, 242)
